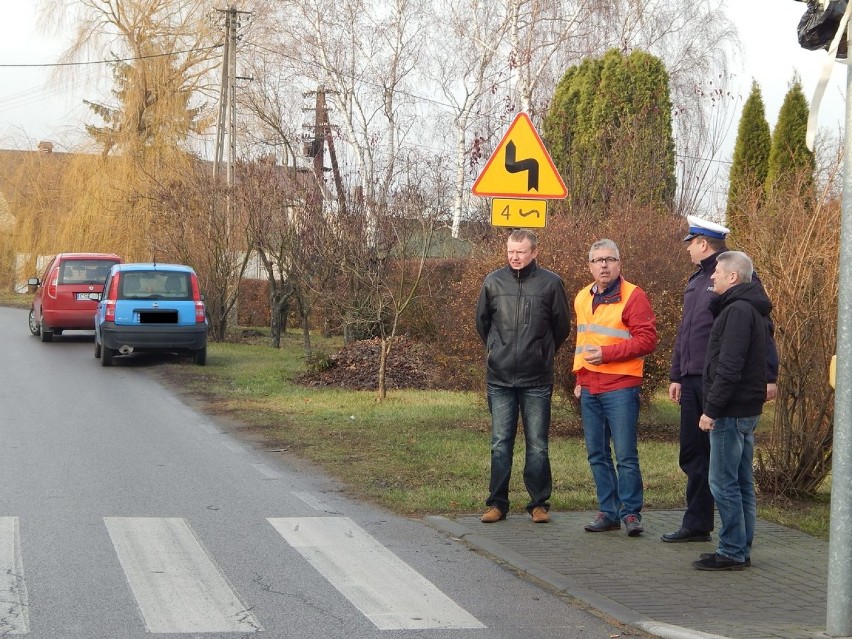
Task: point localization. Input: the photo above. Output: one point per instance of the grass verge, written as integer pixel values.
(426, 452)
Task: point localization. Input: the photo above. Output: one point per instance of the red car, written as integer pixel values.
(68, 293)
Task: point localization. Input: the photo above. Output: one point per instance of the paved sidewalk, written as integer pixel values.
(651, 585)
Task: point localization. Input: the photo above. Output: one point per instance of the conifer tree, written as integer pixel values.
(609, 132)
(751, 159)
(791, 164)
(568, 116)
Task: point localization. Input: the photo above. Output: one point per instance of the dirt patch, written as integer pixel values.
(356, 367)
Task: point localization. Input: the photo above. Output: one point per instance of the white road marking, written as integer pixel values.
(14, 618)
(209, 428)
(266, 471)
(176, 584)
(234, 447)
(378, 583)
(313, 502)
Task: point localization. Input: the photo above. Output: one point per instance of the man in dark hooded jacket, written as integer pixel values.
(734, 393)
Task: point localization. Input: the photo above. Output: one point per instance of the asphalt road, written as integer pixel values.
(126, 512)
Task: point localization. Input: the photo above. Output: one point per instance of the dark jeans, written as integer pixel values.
(695, 456)
(506, 403)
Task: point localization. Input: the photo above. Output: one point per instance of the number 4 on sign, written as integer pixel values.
(518, 213)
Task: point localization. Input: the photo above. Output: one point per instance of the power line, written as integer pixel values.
(113, 61)
(409, 94)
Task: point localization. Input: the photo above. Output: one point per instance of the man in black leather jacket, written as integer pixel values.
(523, 318)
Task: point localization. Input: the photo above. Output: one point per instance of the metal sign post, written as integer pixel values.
(839, 605)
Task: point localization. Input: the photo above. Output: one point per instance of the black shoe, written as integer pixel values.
(718, 562)
(602, 524)
(682, 535)
(709, 555)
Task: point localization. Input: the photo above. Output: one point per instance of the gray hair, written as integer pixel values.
(739, 263)
(604, 244)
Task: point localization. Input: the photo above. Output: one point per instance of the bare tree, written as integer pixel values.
(544, 37)
(390, 276)
(197, 230)
(361, 53)
(466, 67)
(296, 244)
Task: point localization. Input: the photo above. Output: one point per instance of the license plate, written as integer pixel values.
(87, 297)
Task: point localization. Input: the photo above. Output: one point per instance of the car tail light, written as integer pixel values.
(52, 281)
(200, 312)
(109, 311)
(111, 297)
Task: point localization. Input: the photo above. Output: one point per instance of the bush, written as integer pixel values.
(253, 303)
(653, 258)
(795, 245)
(422, 318)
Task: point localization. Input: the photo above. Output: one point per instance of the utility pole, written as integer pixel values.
(227, 120)
(232, 96)
(316, 149)
(224, 94)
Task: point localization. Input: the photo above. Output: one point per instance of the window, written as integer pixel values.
(84, 271)
(155, 285)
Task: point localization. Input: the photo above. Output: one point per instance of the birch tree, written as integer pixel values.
(466, 68)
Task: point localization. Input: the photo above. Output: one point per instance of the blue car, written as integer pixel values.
(150, 307)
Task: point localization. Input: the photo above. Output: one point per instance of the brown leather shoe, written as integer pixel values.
(493, 514)
(540, 515)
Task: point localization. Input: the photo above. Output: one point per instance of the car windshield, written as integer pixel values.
(155, 285)
(84, 271)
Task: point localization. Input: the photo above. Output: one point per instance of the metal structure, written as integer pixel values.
(839, 605)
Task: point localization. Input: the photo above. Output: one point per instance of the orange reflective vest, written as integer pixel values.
(603, 328)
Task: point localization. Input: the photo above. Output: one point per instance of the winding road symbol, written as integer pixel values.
(517, 166)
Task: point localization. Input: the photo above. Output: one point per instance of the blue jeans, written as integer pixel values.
(732, 483)
(612, 417)
(506, 403)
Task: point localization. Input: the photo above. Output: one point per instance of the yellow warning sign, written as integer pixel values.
(520, 166)
(519, 213)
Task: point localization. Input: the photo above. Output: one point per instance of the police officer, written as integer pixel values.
(704, 243)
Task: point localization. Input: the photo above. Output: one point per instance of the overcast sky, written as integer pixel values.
(32, 110)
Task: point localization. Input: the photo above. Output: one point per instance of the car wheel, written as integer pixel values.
(97, 348)
(107, 356)
(35, 327)
(200, 356)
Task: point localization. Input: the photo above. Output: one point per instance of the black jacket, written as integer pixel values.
(735, 365)
(523, 318)
(690, 345)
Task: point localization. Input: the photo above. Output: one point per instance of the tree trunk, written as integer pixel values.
(381, 391)
(306, 334)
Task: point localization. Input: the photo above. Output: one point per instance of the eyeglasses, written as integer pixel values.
(604, 260)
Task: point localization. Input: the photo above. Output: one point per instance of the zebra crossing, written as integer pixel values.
(179, 588)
